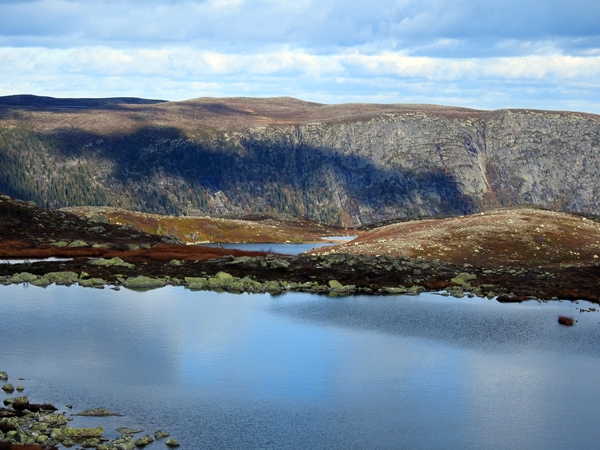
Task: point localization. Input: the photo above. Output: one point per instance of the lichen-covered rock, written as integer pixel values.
(90, 443)
(172, 443)
(196, 282)
(20, 388)
(334, 284)
(221, 280)
(23, 277)
(416, 289)
(76, 434)
(141, 442)
(92, 282)
(9, 401)
(3, 376)
(272, 287)
(8, 388)
(77, 243)
(41, 282)
(158, 434)
(116, 261)
(53, 420)
(130, 431)
(242, 260)
(66, 277)
(143, 282)
(175, 263)
(464, 278)
(96, 412)
(126, 442)
(394, 290)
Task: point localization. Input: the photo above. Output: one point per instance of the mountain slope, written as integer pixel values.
(344, 164)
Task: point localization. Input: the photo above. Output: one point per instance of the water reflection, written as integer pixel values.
(298, 371)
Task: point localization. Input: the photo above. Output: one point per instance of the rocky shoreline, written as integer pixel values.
(331, 274)
(31, 426)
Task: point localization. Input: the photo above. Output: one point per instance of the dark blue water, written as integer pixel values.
(296, 371)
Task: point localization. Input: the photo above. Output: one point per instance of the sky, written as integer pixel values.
(484, 54)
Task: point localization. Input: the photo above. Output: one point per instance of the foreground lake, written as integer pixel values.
(218, 370)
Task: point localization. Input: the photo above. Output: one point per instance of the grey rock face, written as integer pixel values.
(398, 163)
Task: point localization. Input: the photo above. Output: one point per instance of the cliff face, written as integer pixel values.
(346, 164)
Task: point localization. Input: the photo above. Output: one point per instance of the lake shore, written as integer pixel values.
(332, 274)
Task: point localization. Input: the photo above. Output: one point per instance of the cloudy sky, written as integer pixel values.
(484, 54)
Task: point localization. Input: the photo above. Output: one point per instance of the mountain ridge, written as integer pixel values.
(348, 164)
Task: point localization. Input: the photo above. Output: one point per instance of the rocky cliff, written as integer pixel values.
(345, 164)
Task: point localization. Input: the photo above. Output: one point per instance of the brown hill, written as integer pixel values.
(350, 164)
(243, 228)
(521, 237)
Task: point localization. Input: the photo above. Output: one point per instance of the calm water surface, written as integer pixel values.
(219, 370)
(283, 249)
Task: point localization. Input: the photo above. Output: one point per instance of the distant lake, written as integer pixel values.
(301, 371)
(284, 249)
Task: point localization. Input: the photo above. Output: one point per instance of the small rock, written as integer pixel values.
(125, 430)
(77, 243)
(160, 434)
(9, 401)
(116, 261)
(20, 388)
(172, 443)
(564, 320)
(3, 376)
(96, 412)
(98, 229)
(144, 441)
(8, 388)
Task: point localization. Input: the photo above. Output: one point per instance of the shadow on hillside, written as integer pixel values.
(299, 179)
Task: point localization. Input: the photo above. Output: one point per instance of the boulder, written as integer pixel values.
(23, 277)
(141, 442)
(143, 282)
(116, 261)
(66, 277)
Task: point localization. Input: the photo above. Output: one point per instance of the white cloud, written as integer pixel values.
(479, 53)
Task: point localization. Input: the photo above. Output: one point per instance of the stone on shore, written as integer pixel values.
(143, 282)
(116, 261)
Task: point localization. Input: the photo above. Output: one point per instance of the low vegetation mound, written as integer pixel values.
(521, 237)
(273, 228)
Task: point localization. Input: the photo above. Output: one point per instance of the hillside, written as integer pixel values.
(521, 237)
(341, 164)
(100, 254)
(192, 230)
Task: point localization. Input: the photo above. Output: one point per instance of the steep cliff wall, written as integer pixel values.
(352, 166)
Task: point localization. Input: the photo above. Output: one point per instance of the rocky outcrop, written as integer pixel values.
(347, 164)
